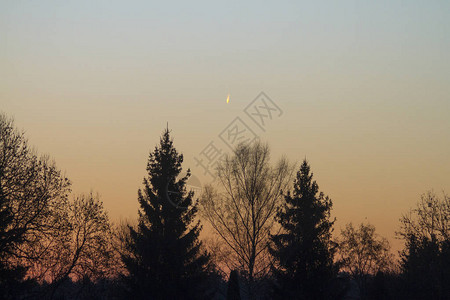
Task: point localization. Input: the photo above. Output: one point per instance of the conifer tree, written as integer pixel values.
(425, 260)
(166, 260)
(303, 250)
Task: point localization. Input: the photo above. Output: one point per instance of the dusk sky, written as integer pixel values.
(363, 86)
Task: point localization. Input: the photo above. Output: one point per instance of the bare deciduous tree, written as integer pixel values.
(33, 195)
(362, 252)
(121, 241)
(242, 209)
(431, 218)
(81, 249)
(42, 232)
(90, 238)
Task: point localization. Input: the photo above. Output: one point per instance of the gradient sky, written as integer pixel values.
(364, 87)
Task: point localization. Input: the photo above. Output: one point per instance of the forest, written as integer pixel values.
(272, 234)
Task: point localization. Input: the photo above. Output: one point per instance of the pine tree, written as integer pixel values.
(166, 259)
(303, 251)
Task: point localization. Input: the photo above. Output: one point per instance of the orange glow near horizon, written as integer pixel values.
(363, 92)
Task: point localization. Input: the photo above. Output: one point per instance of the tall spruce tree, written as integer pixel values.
(303, 251)
(166, 260)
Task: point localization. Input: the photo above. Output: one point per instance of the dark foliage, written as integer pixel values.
(426, 268)
(425, 261)
(166, 259)
(233, 292)
(303, 251)
(12, 284)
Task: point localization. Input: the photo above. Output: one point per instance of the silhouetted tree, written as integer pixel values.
(233, 291)
(303, 250)
(425, 261)
(241, 210)
(84, 252)
(32, 194)
(12, 282)
(362, 253)
(379, 288)
(166, 259)
(121, 240)
(81, 248)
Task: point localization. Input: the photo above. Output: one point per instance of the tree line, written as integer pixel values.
(273, 235)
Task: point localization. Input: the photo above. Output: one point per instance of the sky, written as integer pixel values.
(359, 88)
